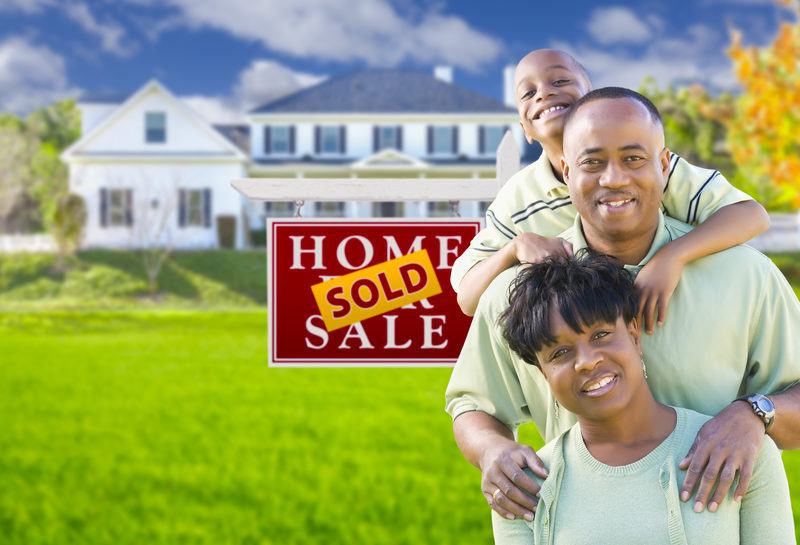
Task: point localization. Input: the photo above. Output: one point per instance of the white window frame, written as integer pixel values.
(120, 209)
(287, 132)
(334, 130)
(438, 134)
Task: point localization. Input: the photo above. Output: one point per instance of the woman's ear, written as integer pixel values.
(633, 329)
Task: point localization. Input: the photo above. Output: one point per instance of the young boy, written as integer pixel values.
(534, 207)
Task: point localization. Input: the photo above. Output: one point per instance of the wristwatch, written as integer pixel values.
(762, 406)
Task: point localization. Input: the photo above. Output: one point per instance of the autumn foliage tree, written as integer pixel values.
(764, 131)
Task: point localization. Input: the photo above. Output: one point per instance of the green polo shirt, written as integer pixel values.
(535, 201)
(732, 329)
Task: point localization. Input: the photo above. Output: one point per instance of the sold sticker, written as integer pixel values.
(372, 291)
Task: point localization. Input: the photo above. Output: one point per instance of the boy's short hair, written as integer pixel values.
(613, 93)
(584, 289)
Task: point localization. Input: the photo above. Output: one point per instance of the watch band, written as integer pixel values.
(762, 407)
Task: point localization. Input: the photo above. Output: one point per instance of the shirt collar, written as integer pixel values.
(552, 186)
(661, 238)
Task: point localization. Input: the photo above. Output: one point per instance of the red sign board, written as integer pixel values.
(302, 253)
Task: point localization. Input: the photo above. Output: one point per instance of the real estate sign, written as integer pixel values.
(366, 292)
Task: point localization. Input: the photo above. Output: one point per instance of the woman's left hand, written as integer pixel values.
(656, 282)
(727, 443)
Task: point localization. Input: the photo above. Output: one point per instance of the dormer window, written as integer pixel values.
(155, 127)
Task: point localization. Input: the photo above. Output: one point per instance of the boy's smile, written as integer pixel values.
(547, 83)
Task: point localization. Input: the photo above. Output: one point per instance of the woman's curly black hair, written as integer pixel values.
(585, 289)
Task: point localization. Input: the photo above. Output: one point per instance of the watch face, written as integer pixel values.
(765, 404)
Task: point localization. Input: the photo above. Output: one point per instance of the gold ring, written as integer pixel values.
(494, 496)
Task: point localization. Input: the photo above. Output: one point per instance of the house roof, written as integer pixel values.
(239, 135)
(384, 91)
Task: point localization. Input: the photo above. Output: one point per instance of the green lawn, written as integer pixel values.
(164, 426)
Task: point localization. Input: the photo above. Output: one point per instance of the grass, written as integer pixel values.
(111, 279)
(163, 424)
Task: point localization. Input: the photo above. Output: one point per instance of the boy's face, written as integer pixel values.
(546, 84)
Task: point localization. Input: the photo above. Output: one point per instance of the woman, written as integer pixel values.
(613, 477)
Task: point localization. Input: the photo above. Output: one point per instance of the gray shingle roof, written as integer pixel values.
(384, 91)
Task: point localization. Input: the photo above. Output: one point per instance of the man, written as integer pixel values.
(732, 327)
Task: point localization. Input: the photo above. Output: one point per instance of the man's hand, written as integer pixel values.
(656, 283)
(727, 443)
(504, 483)
(533, 248)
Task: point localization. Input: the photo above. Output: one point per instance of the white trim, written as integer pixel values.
(384, 118)
(372, 162)
(151, 86)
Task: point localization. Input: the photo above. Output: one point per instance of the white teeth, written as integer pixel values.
(551, 110)
(616, 204)
(599, 384)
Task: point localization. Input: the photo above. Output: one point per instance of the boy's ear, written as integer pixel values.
(565, 170)
(528, 138)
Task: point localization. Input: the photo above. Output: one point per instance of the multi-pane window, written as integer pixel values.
(329, 209)
(155, 127)
(491, 138)
(278, 209)
(118, 207)
(439, 209)
(443, 140)
(194, 208)
(329, 139)
(387, 209)
(278, 139)
(195, 205)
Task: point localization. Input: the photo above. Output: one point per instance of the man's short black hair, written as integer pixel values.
(613, 93)
(585, 290)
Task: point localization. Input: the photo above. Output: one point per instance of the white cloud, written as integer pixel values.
(265, 80)
(30, 76)
(216, 110)
(371, 31)
(262, 81)
(28, 7)
(111, 34)
(617, 24)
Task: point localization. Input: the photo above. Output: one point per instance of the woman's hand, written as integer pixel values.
(505, 485)
(533, 248)
(656, 283)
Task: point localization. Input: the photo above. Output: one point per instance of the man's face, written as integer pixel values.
(615, 165)
(546, 84)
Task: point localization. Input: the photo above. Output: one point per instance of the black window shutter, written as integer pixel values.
(455, 139)
(129, 207)
(267, 139)
(375, 130)
(207, 207)
(430, 140)
(181, 208)
(481, 139)
(400, 137)
(291, 140)
(103, 207)
(317, 137)
(342, 139)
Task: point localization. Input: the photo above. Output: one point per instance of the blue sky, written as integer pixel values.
(226, 57)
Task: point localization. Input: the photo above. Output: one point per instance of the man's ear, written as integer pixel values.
(565, 170)
(664, 157)
(528, 138)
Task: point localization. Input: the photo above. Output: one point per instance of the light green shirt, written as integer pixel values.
(535, 201)
(586, 502)
(732, 329)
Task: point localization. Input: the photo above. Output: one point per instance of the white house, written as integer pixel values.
(378, 123)
(152, 171)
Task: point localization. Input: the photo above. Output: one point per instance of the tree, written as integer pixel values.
(68, 223)
(18, 147)
(764, 132)
(695, 123)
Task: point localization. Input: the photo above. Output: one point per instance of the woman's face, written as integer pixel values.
(594, 374)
